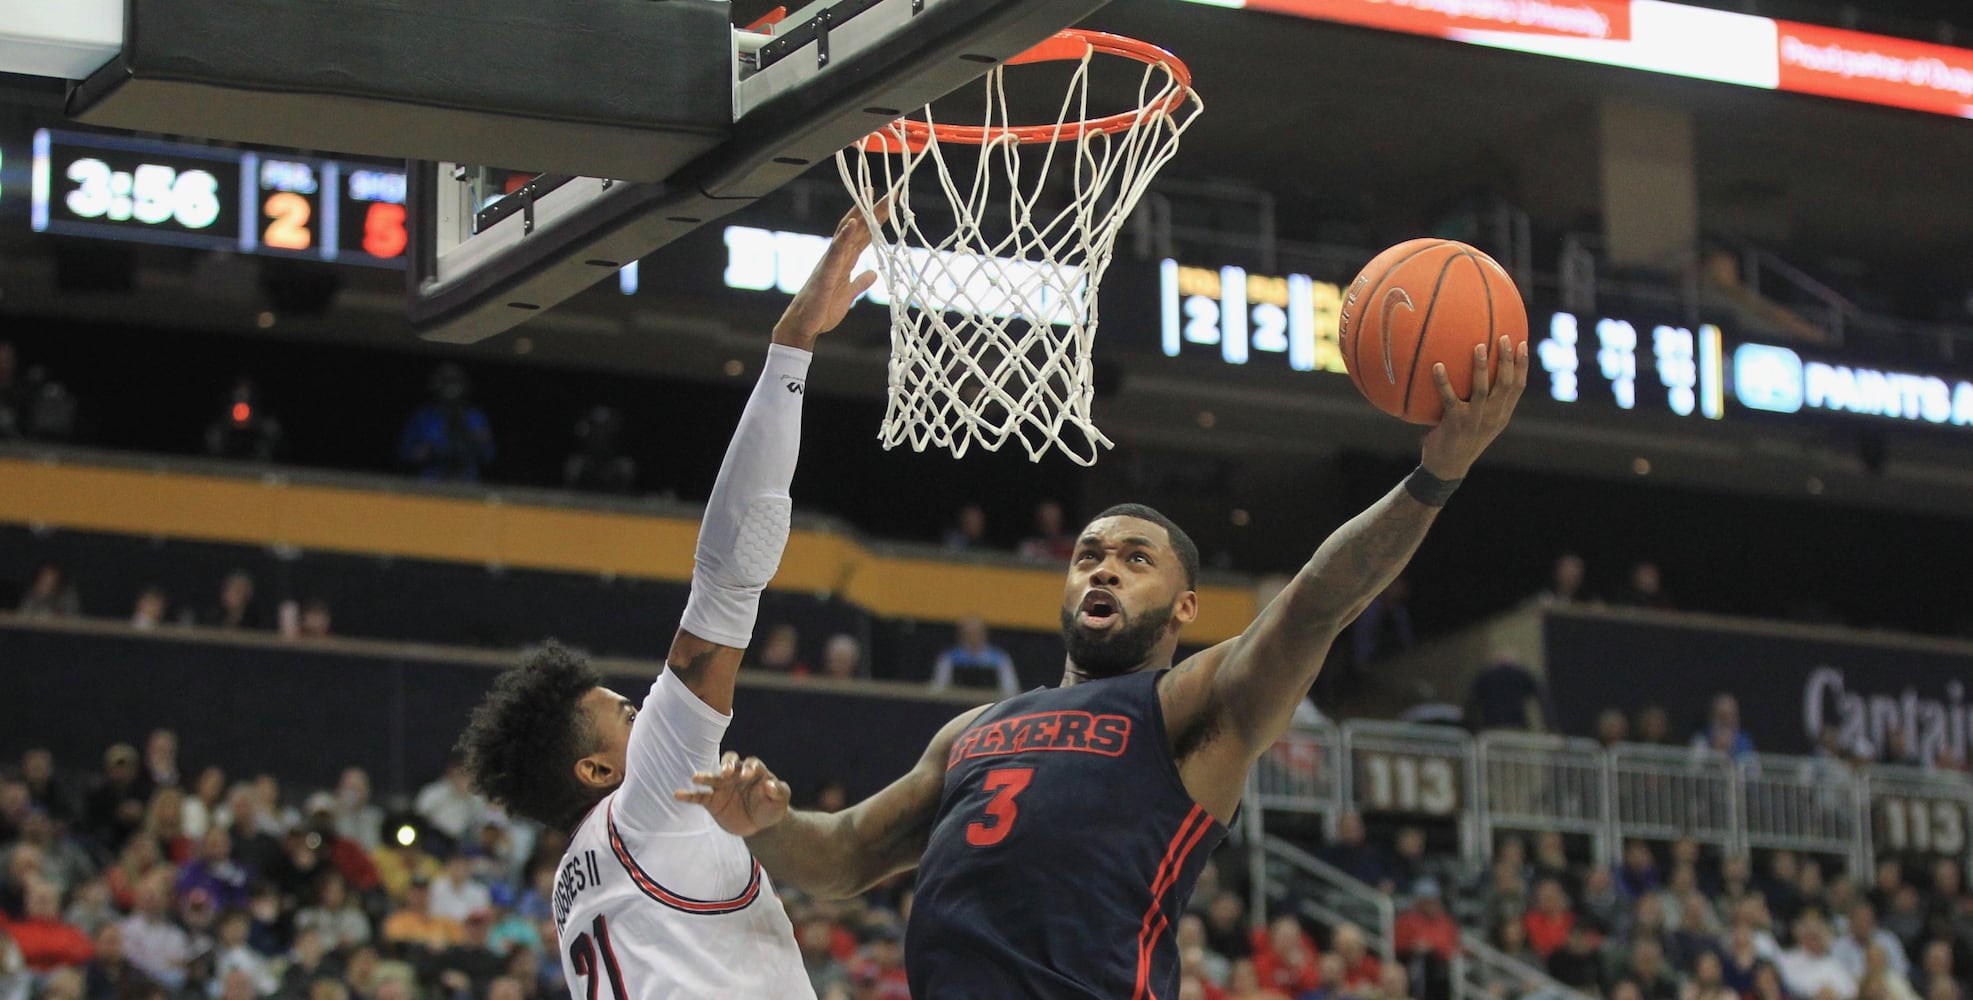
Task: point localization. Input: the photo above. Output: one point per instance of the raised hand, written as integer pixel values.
(1469, 426)
(825, 299)
(744, 797)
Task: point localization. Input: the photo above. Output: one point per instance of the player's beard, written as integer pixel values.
(1117, 651)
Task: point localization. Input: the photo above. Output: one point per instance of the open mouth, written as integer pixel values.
(1099, 609)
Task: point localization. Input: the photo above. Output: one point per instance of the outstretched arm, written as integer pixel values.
(834, 855)
(1246, 690)
(741, 539)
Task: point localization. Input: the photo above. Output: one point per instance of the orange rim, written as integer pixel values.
(1068, 45)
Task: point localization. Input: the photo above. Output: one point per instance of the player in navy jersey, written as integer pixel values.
(1058, 833)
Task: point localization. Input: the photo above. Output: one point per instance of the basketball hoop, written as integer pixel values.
(993, 316)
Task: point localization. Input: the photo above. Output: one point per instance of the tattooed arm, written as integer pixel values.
(1226, 706)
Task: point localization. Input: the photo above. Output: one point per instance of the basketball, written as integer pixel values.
(1420, 303)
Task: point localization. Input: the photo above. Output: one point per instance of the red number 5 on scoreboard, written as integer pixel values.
(1006, 783)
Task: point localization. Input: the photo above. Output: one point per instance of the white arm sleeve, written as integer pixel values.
(746, 523)
(675, 735)
(740, 543)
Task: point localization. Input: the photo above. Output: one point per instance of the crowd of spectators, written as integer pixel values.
(152, 880)
(50, 593)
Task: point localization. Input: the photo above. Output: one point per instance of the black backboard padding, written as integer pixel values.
(631, 89)
(805, 125)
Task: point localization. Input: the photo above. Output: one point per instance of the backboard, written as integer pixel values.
(492, 247)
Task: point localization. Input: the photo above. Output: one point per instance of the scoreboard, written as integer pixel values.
(212, 198)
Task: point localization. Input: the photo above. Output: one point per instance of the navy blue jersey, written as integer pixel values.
(1064, 850)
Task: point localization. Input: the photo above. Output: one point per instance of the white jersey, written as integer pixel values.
(653, 900)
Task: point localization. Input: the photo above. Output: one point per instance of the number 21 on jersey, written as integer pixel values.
(592, 949)
(1006, 784)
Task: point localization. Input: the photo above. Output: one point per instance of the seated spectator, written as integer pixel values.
(216, 872)
(1551, 861)
(62, 862)
(307, 962)
(1578, 964)
(109, 974)
(449, 803)
(1361, 969)
(1504, 898)
(236, 607)
(115, 808)
(247, 819)
(90, 907)
(1049, 543)
(1331, 985)
(336, 917)
(599, 462)
(974, 663)
(1722, 732)
(1768, 985)
(449, 438)
(305, 621)
(1708, 982)
(164, 822)
(1226, 931)
(45, 941)
(139, 858)
(842, 658)
(1880, 979)
(780, 652)
(1195, 954)
(345, 856)
(968, 532)
(398, 864)
(1355, 856)
(50, 594)
(1393, 983)
(1611, 728)
(152, 941)
(1782, 888)
(207, 800)
(1809, 967)
(355, 817)
(1550, 921)
(1511, 939)
(416, 925)
(1565, 581)
(1647, 969)
(46, 791)
(1285, 957)
(233, 956)
(1935, 970)
(456, 895)
(1425, 926)
(1646, 589)
(468, 965)
(1654, 726)
(161, 758)
(1637, 874)
(244, 430)
(150, 610)
(1859, 935)
(1696, 935)
(1601, 904)
(1244, 983)
(1740, 959)
(826, 972)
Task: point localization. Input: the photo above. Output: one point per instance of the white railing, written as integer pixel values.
(1500, 784)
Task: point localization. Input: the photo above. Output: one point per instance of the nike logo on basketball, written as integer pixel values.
(1392, 300)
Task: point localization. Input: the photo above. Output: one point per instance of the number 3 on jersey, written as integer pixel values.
(1006, 783)
(591, 949)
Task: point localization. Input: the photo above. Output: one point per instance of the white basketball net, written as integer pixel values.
(992, 319)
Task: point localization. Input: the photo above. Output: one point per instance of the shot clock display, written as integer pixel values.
(182, 194)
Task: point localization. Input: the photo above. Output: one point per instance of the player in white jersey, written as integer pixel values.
(653, 899)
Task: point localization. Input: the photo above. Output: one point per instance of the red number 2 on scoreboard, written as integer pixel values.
(1005, 783)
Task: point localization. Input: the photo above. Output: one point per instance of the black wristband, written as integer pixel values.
(1429, 489)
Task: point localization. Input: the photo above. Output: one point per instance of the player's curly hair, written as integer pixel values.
(522, 742)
